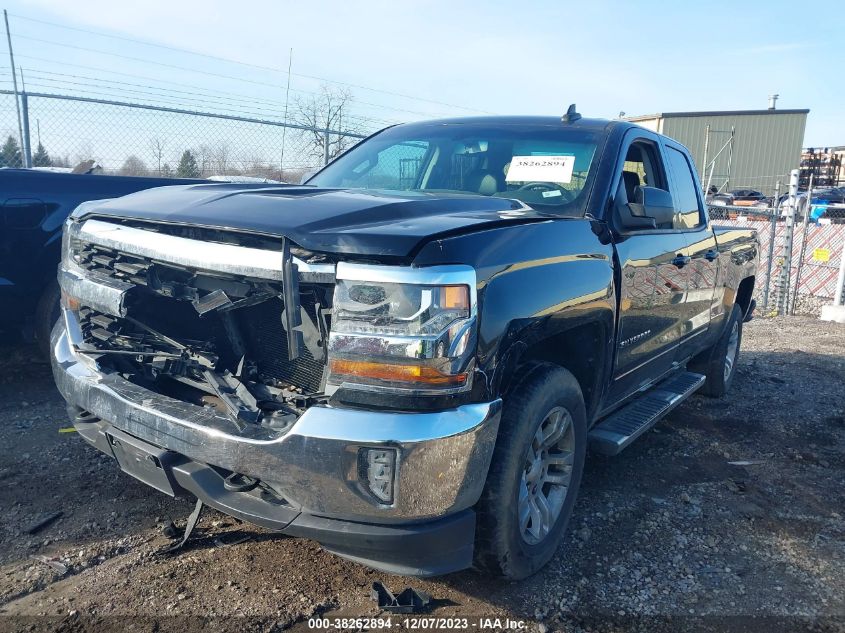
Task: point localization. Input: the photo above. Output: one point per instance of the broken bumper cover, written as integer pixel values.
(442, 463)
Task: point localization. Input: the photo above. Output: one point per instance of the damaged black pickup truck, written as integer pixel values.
(407, 357)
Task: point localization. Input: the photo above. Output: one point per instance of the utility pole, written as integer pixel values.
(773, 225)
(805, 227)
(285, 128)
(730, 159)
(14, 77)
(27, 138)
(786, 269)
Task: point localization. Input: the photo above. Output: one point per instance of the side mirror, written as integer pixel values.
(653, 205)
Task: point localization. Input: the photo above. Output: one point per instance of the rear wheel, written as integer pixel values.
(535, 473)
(719, 362)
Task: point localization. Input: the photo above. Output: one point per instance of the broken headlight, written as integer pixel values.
(403, 329)
(70, 233)
(69, 230)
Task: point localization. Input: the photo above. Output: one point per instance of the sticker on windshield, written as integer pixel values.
(541, 169)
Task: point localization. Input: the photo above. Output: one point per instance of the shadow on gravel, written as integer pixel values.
(783, 429)
(47, 469)
(655, 527)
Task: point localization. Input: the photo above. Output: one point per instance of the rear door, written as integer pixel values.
(700, 303)
(653, 276)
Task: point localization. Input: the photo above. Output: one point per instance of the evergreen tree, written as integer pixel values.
(41, 158)
(187, 167)
(166, 171)
(10, 153)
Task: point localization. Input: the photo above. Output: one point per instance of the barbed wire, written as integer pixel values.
(104, 93)
(183, 96)
(203, 91)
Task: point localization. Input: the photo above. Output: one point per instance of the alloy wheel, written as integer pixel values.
(546, 475)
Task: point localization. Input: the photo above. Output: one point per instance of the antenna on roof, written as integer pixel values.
(571, 115)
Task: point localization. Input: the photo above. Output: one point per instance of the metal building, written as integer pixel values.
(736, 149)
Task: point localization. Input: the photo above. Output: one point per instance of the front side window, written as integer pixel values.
(684, 191)
(544, 166)
(642, 168)
(394, 167)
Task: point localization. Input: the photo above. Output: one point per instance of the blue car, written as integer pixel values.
(34, 207)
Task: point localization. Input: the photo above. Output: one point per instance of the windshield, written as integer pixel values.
(545, 166)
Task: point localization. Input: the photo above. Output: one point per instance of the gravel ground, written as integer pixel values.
(727, 516)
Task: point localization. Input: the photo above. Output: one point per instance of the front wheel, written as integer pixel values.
(534, 475)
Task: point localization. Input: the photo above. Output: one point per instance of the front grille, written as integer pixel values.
(108, 262)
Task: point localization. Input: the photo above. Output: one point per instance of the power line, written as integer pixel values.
(247, 64)
(38, 75)
(201, 72)
(238, 97)
(238, 101)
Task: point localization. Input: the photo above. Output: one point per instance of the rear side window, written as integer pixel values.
(684, 191)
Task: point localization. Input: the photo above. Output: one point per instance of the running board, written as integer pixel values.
(614, 433)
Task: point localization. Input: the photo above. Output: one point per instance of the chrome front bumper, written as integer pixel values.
(442, 464)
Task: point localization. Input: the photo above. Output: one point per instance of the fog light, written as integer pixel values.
(378, 469)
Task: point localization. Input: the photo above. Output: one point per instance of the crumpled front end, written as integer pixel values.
(199, 363)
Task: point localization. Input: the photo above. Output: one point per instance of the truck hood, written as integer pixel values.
(347, 221)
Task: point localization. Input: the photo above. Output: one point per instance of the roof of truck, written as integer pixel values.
(596, 124)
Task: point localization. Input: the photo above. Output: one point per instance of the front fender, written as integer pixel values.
(535, 281)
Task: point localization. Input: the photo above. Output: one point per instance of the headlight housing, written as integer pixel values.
(403, 330)
(70, 232)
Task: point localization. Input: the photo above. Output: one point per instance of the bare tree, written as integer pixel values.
(220, 157)
(85, 152)
(157, 148)
(327, 110)
(260, 167)
(204, 156)
(133, 166)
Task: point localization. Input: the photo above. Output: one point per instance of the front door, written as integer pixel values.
(653, 284)
(651, 309)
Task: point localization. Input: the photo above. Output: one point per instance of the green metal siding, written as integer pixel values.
(766, 146)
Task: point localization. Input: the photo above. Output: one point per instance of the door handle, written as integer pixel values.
(681, 260)
(711, 255)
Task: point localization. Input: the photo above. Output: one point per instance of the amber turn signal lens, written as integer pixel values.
(418, 374)
(69, 302)
(456, 297)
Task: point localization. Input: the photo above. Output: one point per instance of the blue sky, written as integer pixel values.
(472, 57)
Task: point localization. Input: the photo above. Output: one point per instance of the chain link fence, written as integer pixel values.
(799, 262)
(135, 139)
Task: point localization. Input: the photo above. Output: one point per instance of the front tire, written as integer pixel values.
(534, 475)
